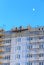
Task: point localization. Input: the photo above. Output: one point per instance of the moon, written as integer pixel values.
(33, 9)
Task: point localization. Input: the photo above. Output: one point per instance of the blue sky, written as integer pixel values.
(20, 12)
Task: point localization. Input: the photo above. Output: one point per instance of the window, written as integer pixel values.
(42, 37)
(17, 63)
(29, 38)
(18, 56)
(29, 46)
(41, 63)
(6, 64)
(41, 46)
(29, 55)
(18, 47)
(42, 28)
(39, 28)
(8, 48)
(36, 32)
(7, 57)
(0, 36)
(7, 41)
(41, 55)
(29, 63)
(18, 39)
(34, 38)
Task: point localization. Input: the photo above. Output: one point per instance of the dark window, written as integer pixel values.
(42, 37)
(39, 28)
(18, 47)
(0, 36)
(29, 56)
(41, 63)
(42, 28)
(7, 57)
(41, 55)
(41, 46)
(18, 56)
(29, 46)
(7, 41)
(6, 64)
(29, 63)
(29, 38)
(19, 39)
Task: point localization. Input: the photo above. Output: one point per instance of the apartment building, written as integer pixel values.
(22, 46)
(5, 47)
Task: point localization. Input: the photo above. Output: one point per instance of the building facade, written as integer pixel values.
(22, 46)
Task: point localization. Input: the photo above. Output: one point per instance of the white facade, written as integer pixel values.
(26, 51)
(18, 51)
(22, 47)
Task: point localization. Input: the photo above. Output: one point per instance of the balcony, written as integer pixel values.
(4, 61)
(1, 40)
(1, 34)
(1, 51)
(1, 45)
(1, 57)
(0, 62)
(33, 59)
